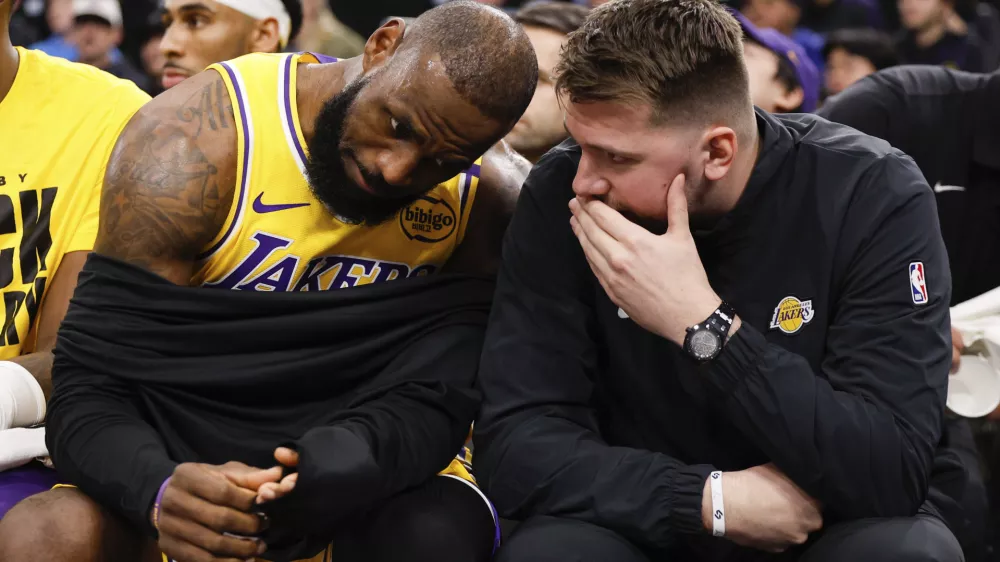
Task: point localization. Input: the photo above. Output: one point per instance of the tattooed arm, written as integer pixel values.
(167, 190)
(503, 172)
(171, 179)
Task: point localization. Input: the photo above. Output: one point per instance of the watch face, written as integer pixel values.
(704, 344)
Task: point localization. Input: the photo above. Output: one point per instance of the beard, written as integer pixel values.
(328, 179)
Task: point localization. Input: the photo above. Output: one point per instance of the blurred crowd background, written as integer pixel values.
(846, 39)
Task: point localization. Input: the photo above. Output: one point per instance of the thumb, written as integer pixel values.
(253, 478)
(677, 206)
(286, 456)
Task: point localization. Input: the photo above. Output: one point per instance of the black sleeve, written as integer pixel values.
(538, 447)
(860, 434)
(406, 429)
(870, 105)
(99, 443)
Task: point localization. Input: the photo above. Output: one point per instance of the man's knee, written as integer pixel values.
(552, 539)
(905, 539)
(27, 531)
(63, 524)
(444, 520)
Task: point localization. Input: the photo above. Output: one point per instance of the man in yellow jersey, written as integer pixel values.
(202, 32)
(58, 124)
(369, 197)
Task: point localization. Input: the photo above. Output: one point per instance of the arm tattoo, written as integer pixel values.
(170, 180)
(210, 104)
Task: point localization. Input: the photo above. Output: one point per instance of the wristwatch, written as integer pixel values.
(705, 341)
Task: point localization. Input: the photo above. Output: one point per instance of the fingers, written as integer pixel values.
(607, 219)
(677, 206)
(213, 486)
(956, 339)
(181, 505)
(286, 457)
(176, 549)
(600, 239)
(957, 347)
(598, 262)
(248, 477)
(272, 491)
(186, 540)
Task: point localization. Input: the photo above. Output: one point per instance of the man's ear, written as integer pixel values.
(266, 37)
(383, 43)
(719, 146)
(790, 100)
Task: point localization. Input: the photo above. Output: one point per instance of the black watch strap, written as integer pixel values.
(722, 320)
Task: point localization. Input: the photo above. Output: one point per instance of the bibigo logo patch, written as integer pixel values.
(428, 219)
(791, 314)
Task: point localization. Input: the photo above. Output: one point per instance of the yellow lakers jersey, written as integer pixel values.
(279, 236)
(58, 125)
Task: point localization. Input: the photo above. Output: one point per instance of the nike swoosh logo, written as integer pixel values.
(938, 188)
(261, 208)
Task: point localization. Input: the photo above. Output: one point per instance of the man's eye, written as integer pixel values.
(401, 130)
(616, 159)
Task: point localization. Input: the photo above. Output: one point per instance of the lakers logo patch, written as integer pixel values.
(428, 219)
(791, 314)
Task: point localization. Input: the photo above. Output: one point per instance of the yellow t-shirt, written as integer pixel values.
(58, 125)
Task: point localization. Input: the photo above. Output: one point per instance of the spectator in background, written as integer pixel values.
(852, 54)
(784, 15)
(150, 54)
(547, 25)
(97, 32)
(323, 33)
(782, 78)
(27, 24)
(59, 18)
(934, 34)
(824, 16)
(203, 32)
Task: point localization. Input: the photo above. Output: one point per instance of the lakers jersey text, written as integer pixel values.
(279, 236)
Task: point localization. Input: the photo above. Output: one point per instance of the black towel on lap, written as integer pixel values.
(373, 385)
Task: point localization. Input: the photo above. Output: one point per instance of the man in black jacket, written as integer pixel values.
(742, 331)
(947, 121)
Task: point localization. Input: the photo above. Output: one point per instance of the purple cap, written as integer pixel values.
(792, 52)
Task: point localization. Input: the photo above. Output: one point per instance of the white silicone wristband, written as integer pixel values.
(718, 506)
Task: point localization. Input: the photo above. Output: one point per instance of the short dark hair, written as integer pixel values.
(486, 55)
(874, 45)
(682, 57)
(561, 17)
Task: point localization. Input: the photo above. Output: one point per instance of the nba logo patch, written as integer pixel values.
(918, 283)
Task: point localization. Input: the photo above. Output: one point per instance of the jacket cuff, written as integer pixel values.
(740, 358)
(688, 489)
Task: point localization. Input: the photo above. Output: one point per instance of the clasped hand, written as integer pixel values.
(764, 509)
(207, 511)
(658, 280)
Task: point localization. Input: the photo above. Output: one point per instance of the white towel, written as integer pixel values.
(21, 445)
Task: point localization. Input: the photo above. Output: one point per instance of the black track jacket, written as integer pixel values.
(833, 260)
